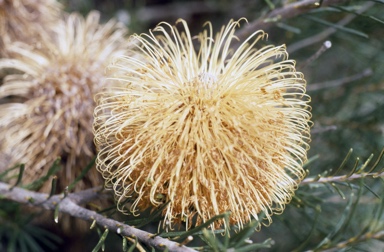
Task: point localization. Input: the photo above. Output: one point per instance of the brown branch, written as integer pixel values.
(342, 178)
(323, 129)
(356, 239)
(70, 205)
(339, 82)
(88, 195)
(285, 12)
(329, 31)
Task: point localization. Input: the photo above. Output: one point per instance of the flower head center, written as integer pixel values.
(202, 89)
(207, 80)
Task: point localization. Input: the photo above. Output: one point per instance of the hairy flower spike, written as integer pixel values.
(208, 128)
(46, 108)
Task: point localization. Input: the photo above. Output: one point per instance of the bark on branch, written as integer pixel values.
(288, 11)
(70, 205)
(342, 178)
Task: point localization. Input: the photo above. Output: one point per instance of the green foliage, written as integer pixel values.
(82, 174)
(335, 211)
(51, 172)
(18, 234)
(100, 244)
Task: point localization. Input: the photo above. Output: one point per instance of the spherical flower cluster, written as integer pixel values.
(190, 121)
(23, 20)
(46, 106)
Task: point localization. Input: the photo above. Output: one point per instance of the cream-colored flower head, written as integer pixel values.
(23, 20)
(206, 128)
(47, 108)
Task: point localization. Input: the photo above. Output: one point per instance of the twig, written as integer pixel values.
(342, 178)
(339, 82)
(327, 32)
(326, 45)
(138, 246)
(323, 129)
(69, 205)
(288, 11)
(368, 236)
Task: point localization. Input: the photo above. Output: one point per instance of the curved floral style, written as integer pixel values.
(46, 109)
(190, 121)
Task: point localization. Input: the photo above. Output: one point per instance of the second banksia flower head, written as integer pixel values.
(46, 109)
(208, 129)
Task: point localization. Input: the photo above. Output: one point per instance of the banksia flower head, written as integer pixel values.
(191, 122)
(47, 108)
(23, 20)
